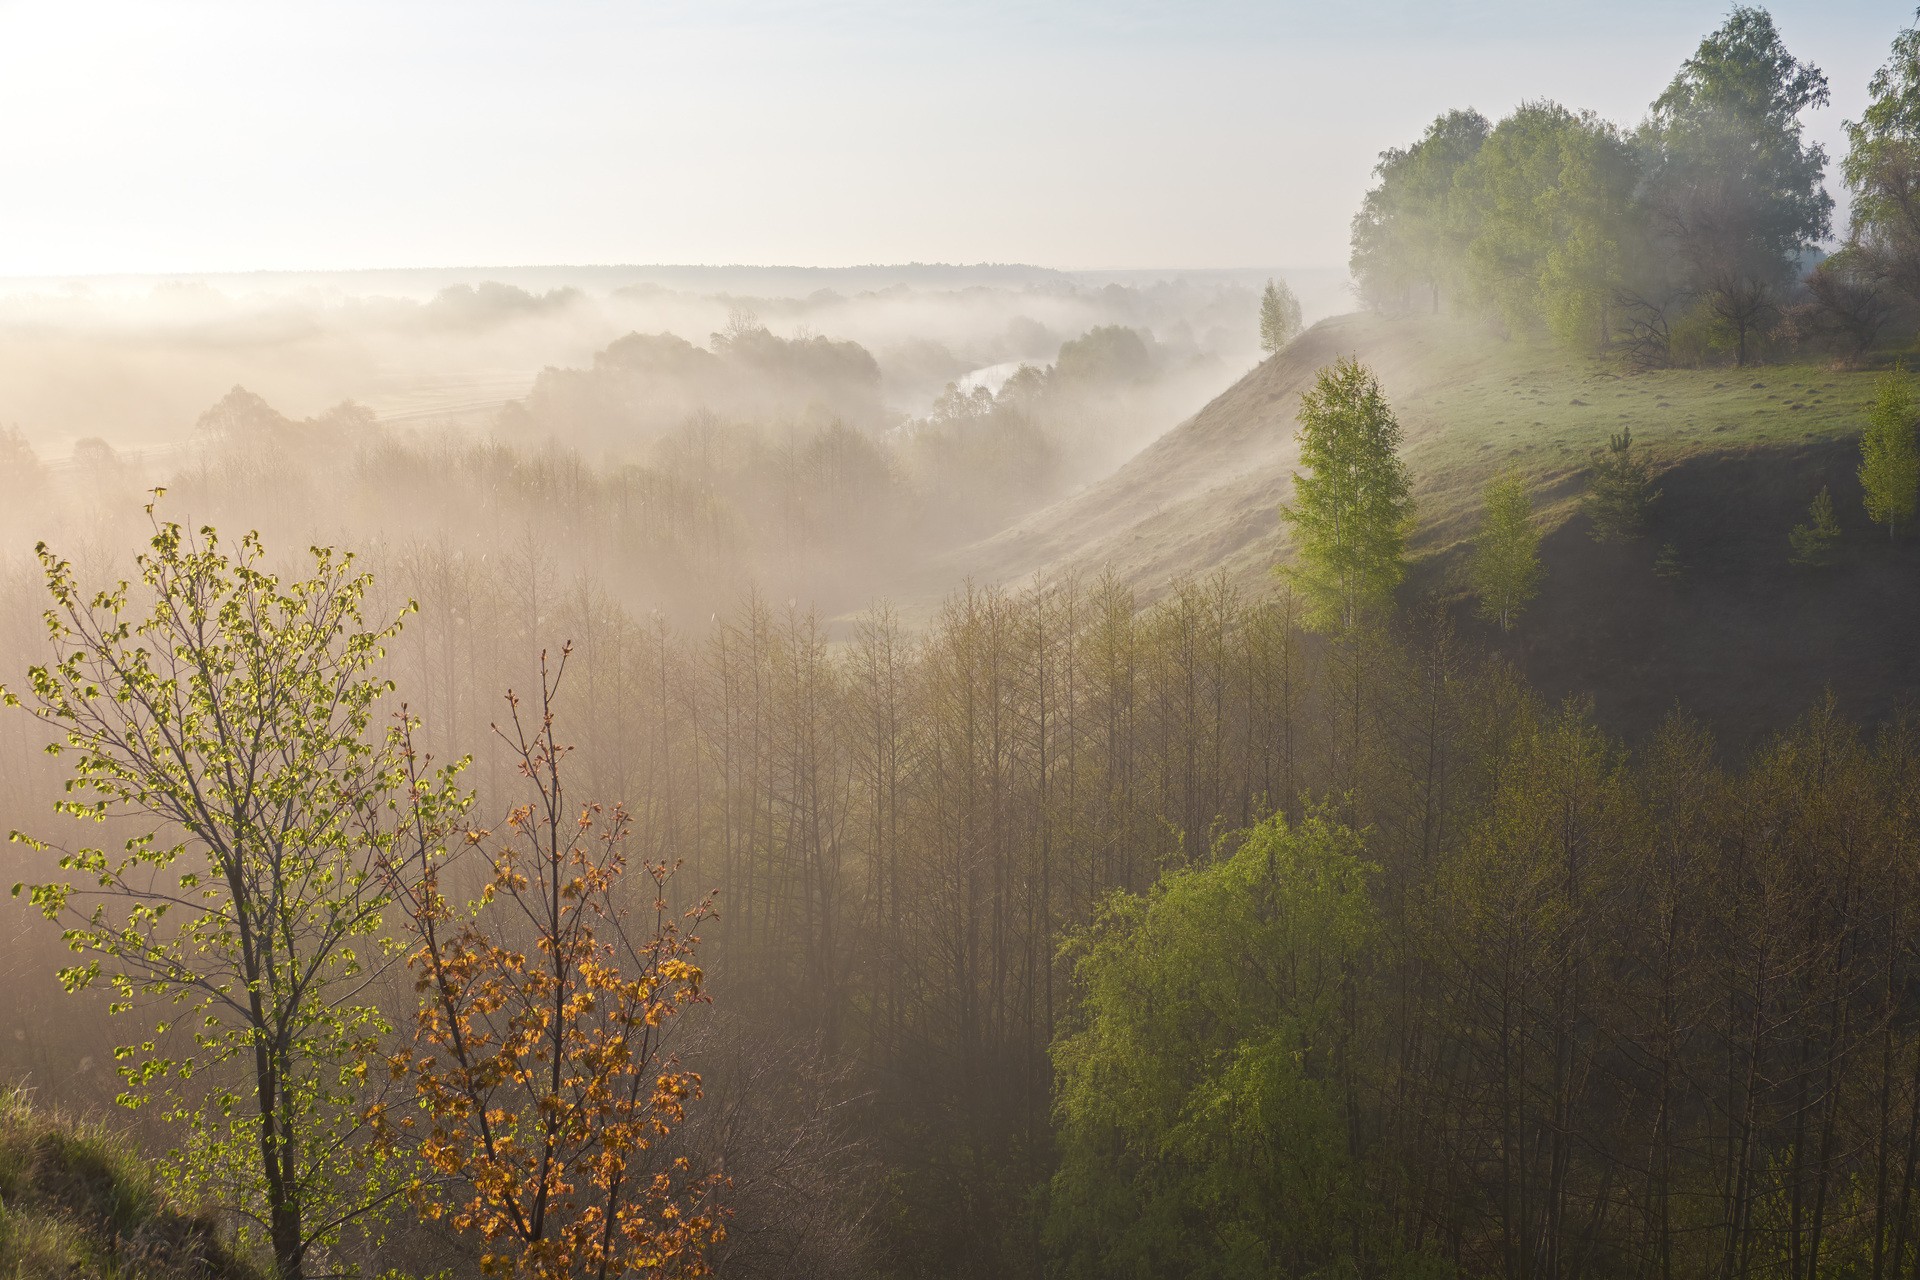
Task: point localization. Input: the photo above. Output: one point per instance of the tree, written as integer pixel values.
(1549, 200)
(1351, 509)
(1353, 502)
(1279, 316)
(1889, 462)
(1620, 489)
(1733, 191)
(1882, 167)
(1847, 300)
(229, 715)
(542, 1070)
(1815, 542)
(1524, 895)
(1109, 355)
(1408, 239)
(1202, 1099)
(1505, 569)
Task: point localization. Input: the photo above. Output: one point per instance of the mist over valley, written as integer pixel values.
(1399, 765)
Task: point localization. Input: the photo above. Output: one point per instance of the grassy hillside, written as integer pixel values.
(75, 1201)
(1740, 636)
(1475, 405)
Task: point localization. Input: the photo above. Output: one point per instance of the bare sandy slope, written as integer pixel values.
(1203, 497)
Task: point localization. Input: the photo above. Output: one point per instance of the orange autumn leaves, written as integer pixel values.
(545, 1089)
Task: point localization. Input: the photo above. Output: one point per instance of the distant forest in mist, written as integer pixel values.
(135, 360)
(822, 445)
(993, 772)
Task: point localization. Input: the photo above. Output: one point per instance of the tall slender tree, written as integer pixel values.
(1505, 569)
(1352, 505)
(1352, 500)
(1279, 316)
(1889, 459)
(229, 716)
(543, 1071)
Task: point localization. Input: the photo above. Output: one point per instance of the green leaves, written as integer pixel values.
(1505, 569)
(1409, 236)
(1733, 191)
(1352, 503)
(1549, 199)
(1882, 168)
(1620, 489)
(1889, 460)
(1200, 1096)
(1815, 542)
(233, 712)
(1279, 316)
(1558, 220)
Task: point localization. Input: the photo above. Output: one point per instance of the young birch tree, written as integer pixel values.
(1506, 559)
(228, 715)
(1352, 506)
(1279, 316)
(1889, 461)
(1352, 501)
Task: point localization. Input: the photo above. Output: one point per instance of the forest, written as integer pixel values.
(639, 832)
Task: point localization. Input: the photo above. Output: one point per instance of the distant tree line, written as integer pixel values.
(1692, 236)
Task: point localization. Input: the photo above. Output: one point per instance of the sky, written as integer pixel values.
(192, 137)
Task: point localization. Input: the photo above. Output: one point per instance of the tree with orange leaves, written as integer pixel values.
(543, 1083)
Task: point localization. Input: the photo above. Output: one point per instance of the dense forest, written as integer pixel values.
(573, 876)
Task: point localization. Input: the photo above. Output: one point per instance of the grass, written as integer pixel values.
(1203, 498)
(1705, 610)
(1472, 404)
(76, 1201)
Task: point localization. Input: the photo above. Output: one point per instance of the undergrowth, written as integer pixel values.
(76, 1202)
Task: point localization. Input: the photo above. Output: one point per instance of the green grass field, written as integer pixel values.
(1472, 404)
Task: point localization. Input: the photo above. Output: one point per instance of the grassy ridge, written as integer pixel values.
(1474, 404)
(1205, 496)
(1728, 628)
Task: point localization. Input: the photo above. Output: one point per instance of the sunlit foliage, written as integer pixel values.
(230, 713)
(542, 1070)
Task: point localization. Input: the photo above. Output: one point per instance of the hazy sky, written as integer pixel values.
(188, 137)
